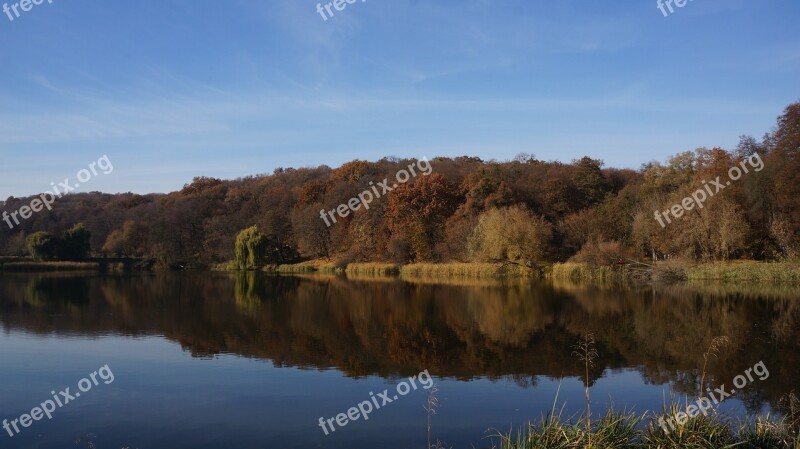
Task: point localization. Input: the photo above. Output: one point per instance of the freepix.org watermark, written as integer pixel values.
(665, 5)
(699, 197)
(24, 6)
(47, 199)
(366, 197)
(704, 404)
(382, 399)
(338, 5)
(61, 399)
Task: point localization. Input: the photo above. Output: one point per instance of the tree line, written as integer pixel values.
(525, 211)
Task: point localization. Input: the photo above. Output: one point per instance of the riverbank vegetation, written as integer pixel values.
(746, 271)
(630, 431)
(598, 222)
(49, 266)
(679, 425)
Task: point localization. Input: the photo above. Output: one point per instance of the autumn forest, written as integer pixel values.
(466, 210)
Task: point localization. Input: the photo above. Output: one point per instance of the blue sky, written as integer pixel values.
(173, 89)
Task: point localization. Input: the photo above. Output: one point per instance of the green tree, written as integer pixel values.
(41, 246)
(74, 245)
(251, 249)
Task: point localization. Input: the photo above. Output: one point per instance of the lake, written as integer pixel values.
(250, 360)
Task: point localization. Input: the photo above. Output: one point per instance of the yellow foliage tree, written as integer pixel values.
(511, 235)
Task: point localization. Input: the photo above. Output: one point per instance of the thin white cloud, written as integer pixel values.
(239, 114)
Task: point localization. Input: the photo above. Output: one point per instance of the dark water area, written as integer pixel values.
(218, 360)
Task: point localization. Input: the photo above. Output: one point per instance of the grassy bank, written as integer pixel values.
(741, 271)
(633, 432)
(745, 271)
(296, 268)
(579, 272)
(313, 266)
(372, 269)
(50, 266)
(465, 270)
(412, 271)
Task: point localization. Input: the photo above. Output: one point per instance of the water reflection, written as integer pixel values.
(518, 330)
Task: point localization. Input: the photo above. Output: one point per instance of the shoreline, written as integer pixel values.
(662, 272)
(666, 272)
(95, 265)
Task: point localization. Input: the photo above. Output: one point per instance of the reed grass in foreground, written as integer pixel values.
(628, 431)
(675, 427)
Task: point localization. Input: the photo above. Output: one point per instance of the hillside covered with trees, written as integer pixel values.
(466, 210)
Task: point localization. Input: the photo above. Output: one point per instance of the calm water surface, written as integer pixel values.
(214, 360)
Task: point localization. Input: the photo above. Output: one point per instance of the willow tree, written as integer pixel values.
(251, 249)
(41, 246)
